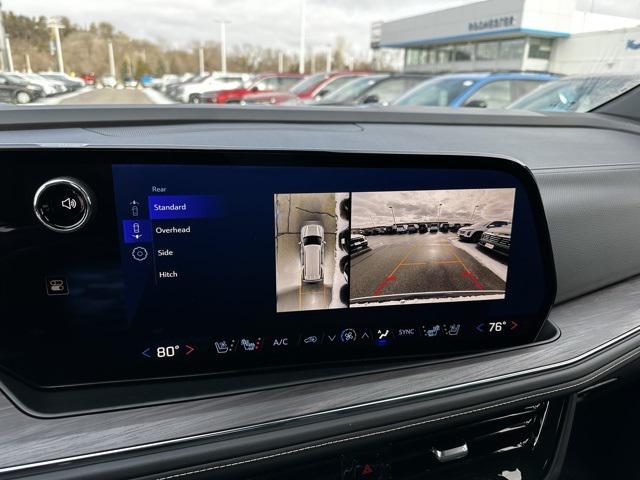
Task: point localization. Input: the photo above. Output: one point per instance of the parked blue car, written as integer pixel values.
(480, 90)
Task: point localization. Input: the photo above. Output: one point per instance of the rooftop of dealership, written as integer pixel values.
(559, 36)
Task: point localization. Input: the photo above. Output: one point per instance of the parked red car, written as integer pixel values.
(89, 78)
(313, 87)
(274, 82)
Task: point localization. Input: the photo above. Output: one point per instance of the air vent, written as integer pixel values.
(516, 444)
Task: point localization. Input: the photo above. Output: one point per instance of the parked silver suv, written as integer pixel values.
(475, 231)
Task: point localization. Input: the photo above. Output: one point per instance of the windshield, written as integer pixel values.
(308, 83)
(436, 92)
(576, 94)
(352, 89)
(312, 240)
(570, 56)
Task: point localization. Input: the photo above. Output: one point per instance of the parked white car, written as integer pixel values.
(191, 92)
(108, 81)
(312, 253)
(50, 87)
(475, 231)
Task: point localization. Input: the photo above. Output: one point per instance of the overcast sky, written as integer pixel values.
(457, 206)
(273, 23)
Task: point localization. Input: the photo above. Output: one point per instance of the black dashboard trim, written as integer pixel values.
(61, 116)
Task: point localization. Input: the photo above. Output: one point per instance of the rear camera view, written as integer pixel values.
(305, 243)
(430, 246)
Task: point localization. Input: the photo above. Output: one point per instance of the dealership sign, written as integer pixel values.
(491, 23)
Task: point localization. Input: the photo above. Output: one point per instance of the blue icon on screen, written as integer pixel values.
(136, 231)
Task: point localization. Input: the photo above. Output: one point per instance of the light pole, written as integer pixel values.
(223, 44)
(280, 62)
(56, 33)
(394, 215)
(112, 62)
(439, 208)
(201, 59)
(302, 34)
(473, 213)
(7, 44)
(329, 58)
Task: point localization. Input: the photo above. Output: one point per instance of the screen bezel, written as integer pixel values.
(339, 159)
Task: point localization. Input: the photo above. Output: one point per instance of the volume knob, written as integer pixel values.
(63, 204)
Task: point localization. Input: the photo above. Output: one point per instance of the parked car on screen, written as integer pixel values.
(277, 82)
(454, 227)
(312, 253)
(423, 228)
(480, 90)
(412, 228)
(497, 239)
(311, 89)
(443, 227)
(358, 243)
(18, 90)
(433, 228)
(576, 94)
(401, 228)
(191, 92)
(473, 232)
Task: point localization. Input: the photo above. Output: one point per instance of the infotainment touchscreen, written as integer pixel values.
(234, 261)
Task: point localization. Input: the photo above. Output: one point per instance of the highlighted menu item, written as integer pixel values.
(168, 207)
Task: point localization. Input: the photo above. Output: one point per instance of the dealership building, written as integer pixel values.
(559, 36)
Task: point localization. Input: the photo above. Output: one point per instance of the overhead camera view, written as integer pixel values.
(430, 246)
(305, 246)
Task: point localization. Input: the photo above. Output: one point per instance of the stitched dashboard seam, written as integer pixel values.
(398, 428)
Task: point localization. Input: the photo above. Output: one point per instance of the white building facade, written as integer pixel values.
(559, 36)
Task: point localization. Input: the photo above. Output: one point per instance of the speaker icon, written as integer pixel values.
(69, 203)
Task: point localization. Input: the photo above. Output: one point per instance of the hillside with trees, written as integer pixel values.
(86, 50)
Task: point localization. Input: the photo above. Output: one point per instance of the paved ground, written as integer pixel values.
(107, 96)
(292, 212)
(411, 263)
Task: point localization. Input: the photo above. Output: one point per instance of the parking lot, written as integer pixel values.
(106, 96)
(292, 212)
(424, 263)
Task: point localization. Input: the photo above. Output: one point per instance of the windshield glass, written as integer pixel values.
(352, 89)
(576, 94)
(308, 83)
(570, 56)
(312, 240)
(436, 92)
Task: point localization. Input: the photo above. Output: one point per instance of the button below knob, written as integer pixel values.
(63, 204)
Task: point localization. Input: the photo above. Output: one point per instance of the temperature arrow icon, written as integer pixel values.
(146, 353)
(189, 349)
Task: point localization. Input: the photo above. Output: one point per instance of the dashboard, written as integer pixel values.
(159, 282)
